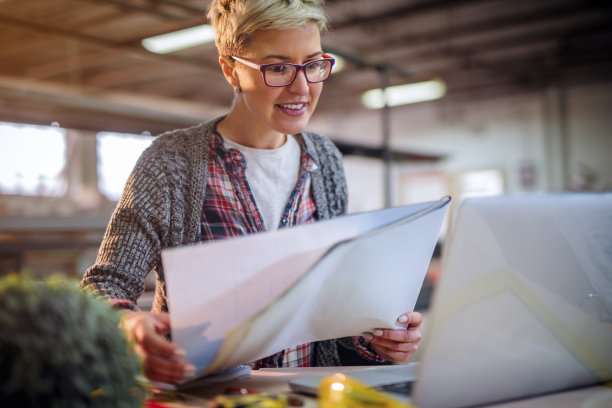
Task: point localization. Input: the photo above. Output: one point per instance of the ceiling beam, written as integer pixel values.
(69, 101)
(489, 26)
(92, 40)
(398, 13)
(187, 9)
(184, 6)
(80, 61)
(127, 5)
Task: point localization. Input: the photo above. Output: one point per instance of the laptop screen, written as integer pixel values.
(524, 303)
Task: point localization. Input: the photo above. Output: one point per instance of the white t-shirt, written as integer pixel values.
(272, 175)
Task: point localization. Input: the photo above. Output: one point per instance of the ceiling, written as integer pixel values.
(80, 62)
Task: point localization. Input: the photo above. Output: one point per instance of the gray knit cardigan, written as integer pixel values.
(161, 208)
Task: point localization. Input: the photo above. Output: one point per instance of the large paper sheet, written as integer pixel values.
(238, 300)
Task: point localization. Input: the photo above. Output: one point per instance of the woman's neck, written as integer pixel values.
(235, 128)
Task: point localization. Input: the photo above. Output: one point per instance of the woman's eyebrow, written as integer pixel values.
(284, 57)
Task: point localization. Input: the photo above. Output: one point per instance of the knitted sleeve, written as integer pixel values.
(331, 187)
(133, 240)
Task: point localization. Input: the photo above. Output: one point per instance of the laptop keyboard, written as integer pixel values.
(403, 388)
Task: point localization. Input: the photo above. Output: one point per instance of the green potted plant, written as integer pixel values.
(61, 347)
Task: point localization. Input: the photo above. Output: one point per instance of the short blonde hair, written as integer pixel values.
(235, 21)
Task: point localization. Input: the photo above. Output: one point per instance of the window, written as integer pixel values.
(117, 154)
(481, 183)
(33, 160)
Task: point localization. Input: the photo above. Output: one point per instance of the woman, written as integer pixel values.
(252, 170)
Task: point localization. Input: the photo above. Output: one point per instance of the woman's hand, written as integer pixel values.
(397, 345)
(162, 360)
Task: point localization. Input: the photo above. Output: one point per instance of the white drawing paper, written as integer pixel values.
(238, 300)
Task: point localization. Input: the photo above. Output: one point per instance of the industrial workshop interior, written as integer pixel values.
(426, 99)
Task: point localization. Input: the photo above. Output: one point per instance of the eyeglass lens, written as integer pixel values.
(283, 74)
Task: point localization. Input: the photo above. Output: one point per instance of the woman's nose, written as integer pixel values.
(300, 84)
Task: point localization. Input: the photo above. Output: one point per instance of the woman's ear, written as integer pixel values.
(229, 72)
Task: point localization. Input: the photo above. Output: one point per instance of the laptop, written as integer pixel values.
(395, 379)
(523, 306)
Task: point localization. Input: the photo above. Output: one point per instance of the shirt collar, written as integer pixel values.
(308, 163)
(231, 157)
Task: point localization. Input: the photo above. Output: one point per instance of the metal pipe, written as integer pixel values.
(386, 133)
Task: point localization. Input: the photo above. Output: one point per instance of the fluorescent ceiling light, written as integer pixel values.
(179, 40)
(404, 94)
(338, 65)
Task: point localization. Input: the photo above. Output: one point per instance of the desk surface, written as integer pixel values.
(276, 381)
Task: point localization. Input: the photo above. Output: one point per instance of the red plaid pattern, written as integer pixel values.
(362, 346)
(298, 356)
(229, 206)
(124, 304)
(230, 210)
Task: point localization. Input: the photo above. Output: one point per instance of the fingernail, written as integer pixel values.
(189, 370)
(378, 332)
(367, 336)
(403, 319)
(179, 352)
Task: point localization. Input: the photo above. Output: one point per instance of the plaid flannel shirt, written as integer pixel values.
(230, 210)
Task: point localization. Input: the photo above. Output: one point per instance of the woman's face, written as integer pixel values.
(284, 109)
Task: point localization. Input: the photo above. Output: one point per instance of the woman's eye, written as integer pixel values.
(317, 66)
(277, 69)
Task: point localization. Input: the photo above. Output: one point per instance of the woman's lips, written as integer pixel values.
(292, 109)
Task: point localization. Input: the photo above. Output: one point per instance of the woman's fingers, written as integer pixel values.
(158, 368)
(395, 356)
(398, 351)
(397, 344)
(161, 321)
(155, 343)
(162, 360)
(398, 335)
(392, 345)
(412, 319)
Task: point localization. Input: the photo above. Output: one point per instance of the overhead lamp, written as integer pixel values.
(179, 40)
(338, 65)
(404, 94)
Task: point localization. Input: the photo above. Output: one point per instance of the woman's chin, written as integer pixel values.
(293, 125)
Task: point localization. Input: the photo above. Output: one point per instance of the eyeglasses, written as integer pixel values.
(283, 73)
